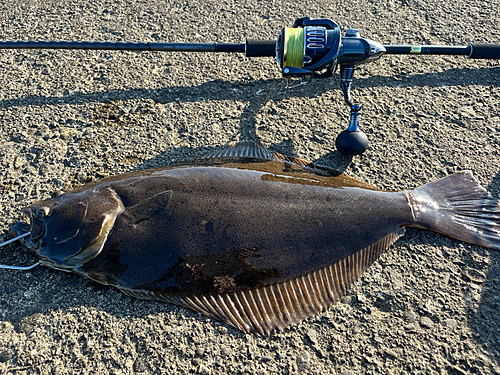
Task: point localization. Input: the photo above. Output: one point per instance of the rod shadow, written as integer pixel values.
(225, 90)
(258, 92)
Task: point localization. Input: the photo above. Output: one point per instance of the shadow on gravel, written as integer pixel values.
(485, 322)
(225, 90)
(257, 93)
(451, 77)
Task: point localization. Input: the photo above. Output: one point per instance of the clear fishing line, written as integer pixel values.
(3, 266)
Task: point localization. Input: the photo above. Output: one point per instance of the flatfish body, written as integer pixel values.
(256, 239)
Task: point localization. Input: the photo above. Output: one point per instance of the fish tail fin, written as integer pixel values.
(459, 207)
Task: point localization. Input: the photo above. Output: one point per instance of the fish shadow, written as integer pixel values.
(334, 160)
(31, 299)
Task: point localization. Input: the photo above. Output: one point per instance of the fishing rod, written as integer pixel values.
(312, 48)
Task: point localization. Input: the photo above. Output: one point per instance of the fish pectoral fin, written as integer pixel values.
(147, 208)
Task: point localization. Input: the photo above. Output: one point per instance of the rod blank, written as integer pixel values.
(252, 48)
(126, 46)
(408, 49)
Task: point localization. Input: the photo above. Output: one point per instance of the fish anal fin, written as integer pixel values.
(278, 306)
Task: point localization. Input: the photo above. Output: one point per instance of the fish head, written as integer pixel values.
(70, 230)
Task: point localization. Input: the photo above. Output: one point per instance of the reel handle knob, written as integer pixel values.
(352, 141)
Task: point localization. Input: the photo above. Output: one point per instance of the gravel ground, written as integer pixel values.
(430, 305)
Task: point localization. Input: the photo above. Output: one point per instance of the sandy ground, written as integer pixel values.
(430, 305)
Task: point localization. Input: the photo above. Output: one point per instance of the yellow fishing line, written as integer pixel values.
(294, 47)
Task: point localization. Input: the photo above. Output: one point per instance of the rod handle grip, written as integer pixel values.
(259, 48)
(485, 51)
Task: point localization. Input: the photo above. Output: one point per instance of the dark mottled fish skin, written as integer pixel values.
(250, 237)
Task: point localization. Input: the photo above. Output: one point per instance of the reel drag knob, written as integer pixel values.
(352, 141)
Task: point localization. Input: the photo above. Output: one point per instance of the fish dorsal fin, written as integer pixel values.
(239, 150)
(279, 306)
(253, 152)
(249, 151)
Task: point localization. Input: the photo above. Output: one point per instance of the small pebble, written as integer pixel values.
(410, 316)
(410, 327)
(361, 298)
(20, 197)
(5, 355)
(80, 176)
(397, 280)
(450, 323)
(390, 353)
(446, 350)
(139, 366)
(312, 336)
(303, 361)
(199, 351)
(222, 330)
(426, 322)
(346, 300)
(203, 370)
(30, 169)
(10, 289)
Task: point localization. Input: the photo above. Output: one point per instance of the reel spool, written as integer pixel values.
(308, 48)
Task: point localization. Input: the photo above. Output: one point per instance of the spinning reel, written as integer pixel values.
(312, 48)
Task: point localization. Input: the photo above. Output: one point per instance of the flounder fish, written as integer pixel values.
(253, 238)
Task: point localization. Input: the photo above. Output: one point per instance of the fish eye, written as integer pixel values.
(43, 212)
(56, 194)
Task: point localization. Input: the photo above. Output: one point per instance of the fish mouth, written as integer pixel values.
(37, 228)
(30, 225)
(31, 242)
(19, 228)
